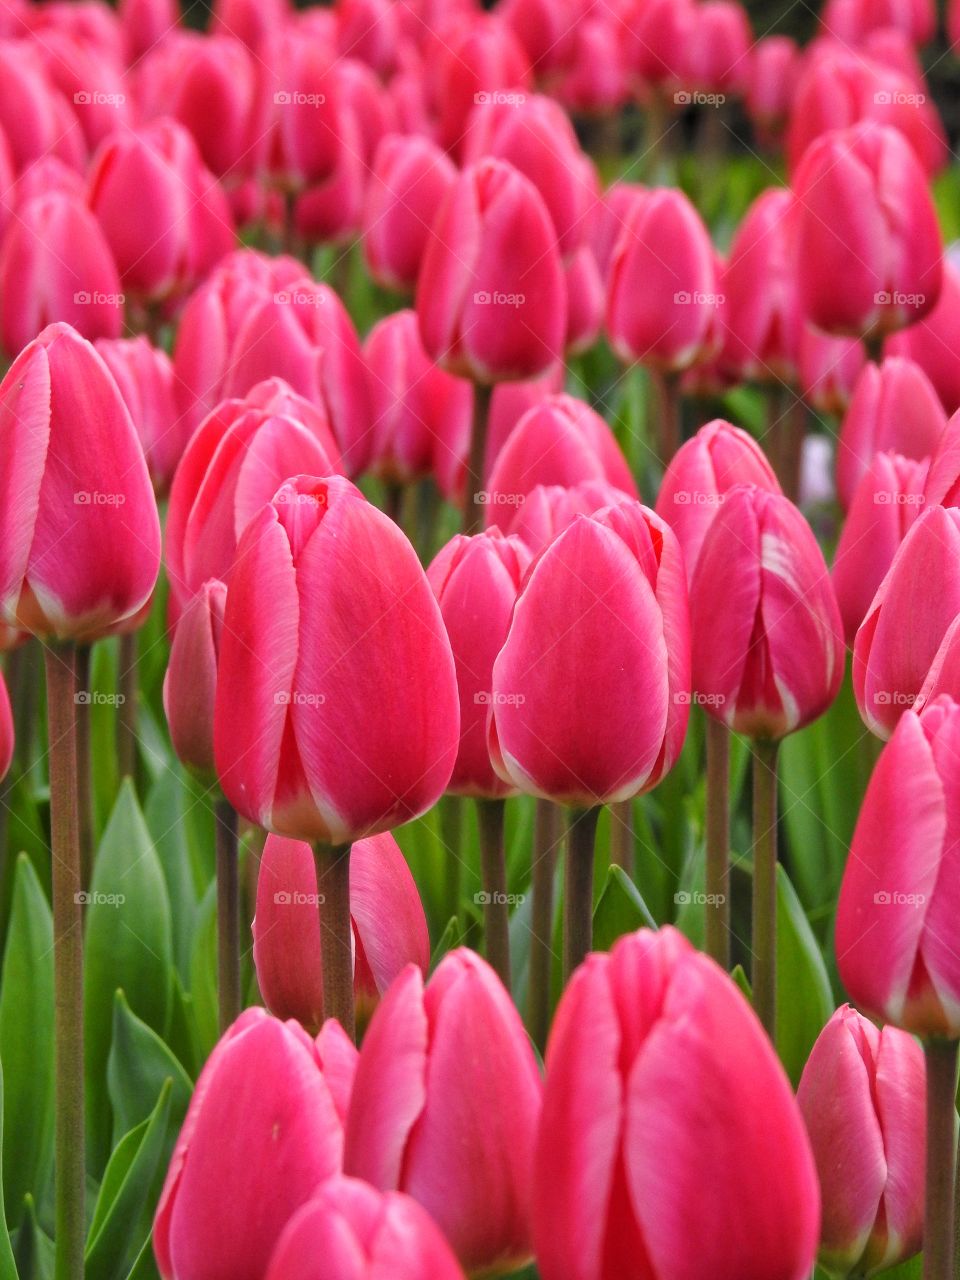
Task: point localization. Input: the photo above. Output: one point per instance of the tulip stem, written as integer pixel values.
(70, 1176)
(543, 870)
(472, 511)
(127, 689)
(938, 1244)
(578, 888)
(765, 882)
(84, 776)
(228, 914)
(718, 842)
(493, 866)
(336, 933)
(622, 835)
(669, 434)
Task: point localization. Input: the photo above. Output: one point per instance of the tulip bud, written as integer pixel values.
(389, 927)
(410, 179)
(511, 400)
(662, 290)
(545, 28)
(370, 30)
(658, 30)
(184, 225)
(886, 502)
(853, 20)
(586, 298)
(444, 1070)
(315, 735)
(7, 730)
(144, 374)
(641, 1038)
(899, 640)
(862, 1097)
(701, 474)
(144, 25)
(714, 58)
(249, 20)
(331, 211)
(894, 407)
(828, 369)
(560, 441)
(360, 1234)
(868, 244)
(305, 141)
(771, 83)
(932, 342)
(897, 901)
(35, 119)
(491, 297)
(591, 689)
(548, 509)
(78, 520)
(473, 58)
(594, 80)
(768, 650)
(263, 1130)
(190, 684)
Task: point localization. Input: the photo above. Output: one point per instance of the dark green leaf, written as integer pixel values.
(139, 1064)
(804, 999)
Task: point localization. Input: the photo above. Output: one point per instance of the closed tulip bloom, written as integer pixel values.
(476, 581)
(473, 57)
(586, 298)
(55, 264)
(35, 118)
(369, 30)
(445, 1070)
(249, 20)
(331, 212)
(560, 441)
(655, 39)
(184, 225)
(263, 1130)
(886, 502)
(419, 413)
(304, 144)
(190, 683)
(316, 736)
(609, 217)
(389, 927)
(491, 296)
(897, 901)
(511, 400)
(894, 407)
(144, 24)
(80, 530)
(767, 636)
(663, 1093)
(828, 369)
(144, 374)
(899, 639)
(862, 1095)
(771, 82)
(350, 1231)
(591, 689)
(72, 63)
(545, 28)
(548, 509)
(715, 56)
(662, 291)
(408, 183)
(854, 20)
(700, 475)
(594, 79)
(868, 244)
(932, 342)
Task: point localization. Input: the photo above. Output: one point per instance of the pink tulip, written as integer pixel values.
(36, 119)
(89, 77)
(853, 20)
(190, 683)
(144, 374)
(234, 464)
(184, 225)
(610, 215)
(594, 79)
(370, 31)
(662, 293)
(548, 509)
(768, 652)
(591, 689)
(511, 400)
(445, 1070)
(476, 581)
(316, 735)
(56, 265)
(545, 28)
(932, 342)
(409, 181)
(349, 1231)
(897, 901)
(656, 33)
(658, 1076)
(888, 499)
(491, 297)
(828, 369)
(420, 414)
(331, 211)
(560, 441)
(899, 640)
(144, 24)
(762, 321)
(771, 83)
(264, 1129)
(862, 1095)
(249, 20)
(586, 298)
(715, 57)
(474, 59)
(868, 243)
(78, 520)
(894, 407)
(305, 142)
(700, 475)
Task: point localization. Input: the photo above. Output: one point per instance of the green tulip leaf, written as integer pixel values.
(139, 1064)
(804, 998)
(620, 909)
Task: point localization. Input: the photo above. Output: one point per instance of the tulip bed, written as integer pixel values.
(480, 629)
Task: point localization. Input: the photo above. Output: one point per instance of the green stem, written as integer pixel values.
(84, 773)
(228, 914)
(938, 1242)
(764, 974)
(545, 841)
(472, 509)
(336, 933)
(718, 842)
(451, 831)
(578, 888)
(70, 1177)
(128, 689)
(622, 835)
(493, 865)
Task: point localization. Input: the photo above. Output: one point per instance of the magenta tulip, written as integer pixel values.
(586, 298)
(144, 24)
(305, 141)
(472, 60)
(144, 374)
(511, 400)
(7, 730)
(932, 342)
(190, 684)
(771, 83)
(36, 119)
(447, 1069)
(594, 79)
(659, 1078)
(548, 509)
(828, 369)
(715, 56)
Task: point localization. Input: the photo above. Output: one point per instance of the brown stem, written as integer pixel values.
(765, 883)
(622, 835)
(472, 509)
(668, 426)
(578, 888)
(496, 910)
(336, 933)
(718, 842)
(545, 840)
(938, 1242)
(228, 914)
